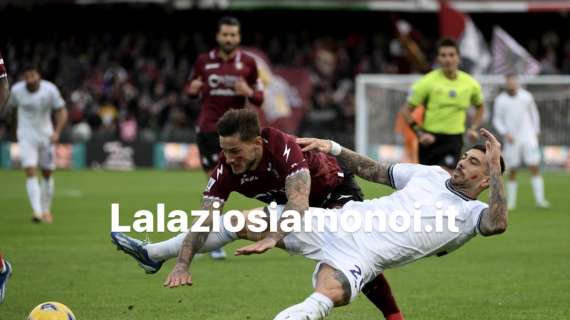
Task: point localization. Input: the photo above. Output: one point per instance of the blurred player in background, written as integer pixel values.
(447, 93)
(516, 118)
(408, 135)
(35, 100)
(224, 78)
(5, 267)
(267, 165)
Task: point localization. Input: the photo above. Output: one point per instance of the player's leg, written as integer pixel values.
(151, 256)
(29, 158)
(531, 154)
(209, 147)
(512, 155)
(47, 186)
(332, 289)
(378, 291)
(5, 272)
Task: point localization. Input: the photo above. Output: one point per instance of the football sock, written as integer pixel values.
(538, 188)
(511, 194)
(33, 187)
(316, 306)
(1, 264)
(378, 291)
(47, 188)
(168, 249)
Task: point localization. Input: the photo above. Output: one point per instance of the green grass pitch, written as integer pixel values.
(523, 274)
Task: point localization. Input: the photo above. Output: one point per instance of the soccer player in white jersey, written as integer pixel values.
(516, 118)
(347, 260)
(35, 100)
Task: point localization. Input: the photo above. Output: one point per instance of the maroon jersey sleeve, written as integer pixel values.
(197, 72)
(220, 184)
(286, 155)
(255, 83)
(2, 68)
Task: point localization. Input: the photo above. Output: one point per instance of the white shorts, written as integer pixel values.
(528, 153)
(34, 153)
(338, 250)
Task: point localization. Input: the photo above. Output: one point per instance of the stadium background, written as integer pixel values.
(121, 66)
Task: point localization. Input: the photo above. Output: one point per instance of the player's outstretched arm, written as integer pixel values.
(193, 241)
(494, 219)
(297, 188)
(360, 165)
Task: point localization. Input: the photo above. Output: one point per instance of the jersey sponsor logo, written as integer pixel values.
(210, 184)
(245, 179)
(286, 153)
(211, 66)
(223, 92)
(215, 80)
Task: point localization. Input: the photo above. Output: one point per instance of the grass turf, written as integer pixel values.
(522, 274)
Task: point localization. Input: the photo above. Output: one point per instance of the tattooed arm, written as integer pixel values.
(297, 188)
(494, 219)
(360, 165)
(192, 243)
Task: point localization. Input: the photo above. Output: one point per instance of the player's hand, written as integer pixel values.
(472, 135)
(195, 86)
(54, 138)
(257, 248)
(179, 276)
(426, 139)
(509, 138)
(314, 144)
(242, 88)
(493, 148)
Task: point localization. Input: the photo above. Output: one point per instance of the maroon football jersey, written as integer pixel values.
(2, 68)
(281, 158)
(219, 77)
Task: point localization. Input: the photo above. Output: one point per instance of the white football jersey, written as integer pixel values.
(34, 109)
(423, 191)
(517, 115)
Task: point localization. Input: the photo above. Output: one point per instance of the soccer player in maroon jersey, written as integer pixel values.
(268, 165)
(224, 78)
(5, 268)
(4, 85)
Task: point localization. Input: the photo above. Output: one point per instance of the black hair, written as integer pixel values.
(228, 21)
(447, 42)
(482, 148)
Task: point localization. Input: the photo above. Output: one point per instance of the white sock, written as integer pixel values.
(316, 306)
(511, 194)
(33, 187)
(169, 249)
(47, 188)
(538, 188)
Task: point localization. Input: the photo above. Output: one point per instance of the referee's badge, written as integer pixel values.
(452, 93)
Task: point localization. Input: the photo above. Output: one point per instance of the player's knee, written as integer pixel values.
(334, 284)
(46, 173)
(30, 172)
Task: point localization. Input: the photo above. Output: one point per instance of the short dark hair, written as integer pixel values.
(242, 121)
(228, 21)
(447, 42)
(30, 66)
(482, 148)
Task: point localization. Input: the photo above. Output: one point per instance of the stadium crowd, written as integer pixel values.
(130, 86)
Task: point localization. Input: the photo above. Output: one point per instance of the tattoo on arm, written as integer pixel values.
(346, 289)
(297, 188)
(195, 240)
(365, 167)
(494, 219)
